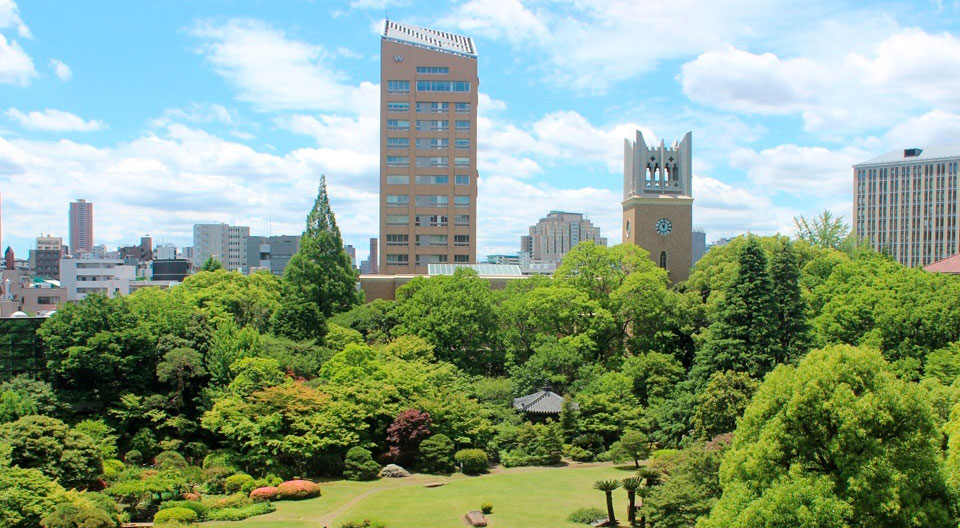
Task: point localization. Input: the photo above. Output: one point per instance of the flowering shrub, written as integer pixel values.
(266, 493)
(297, 489)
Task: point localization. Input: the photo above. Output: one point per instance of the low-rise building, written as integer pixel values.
(385, 286)
(29, 294)
(271, 253)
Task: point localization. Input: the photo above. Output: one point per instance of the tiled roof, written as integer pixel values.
(542, 402)
(947, 265)
(429, 38)
(926, 154)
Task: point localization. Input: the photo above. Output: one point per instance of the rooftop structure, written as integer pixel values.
(949, 265)
(540, 402)
(429, 38)
(485, 270)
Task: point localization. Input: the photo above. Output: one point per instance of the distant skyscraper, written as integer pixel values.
(225, 242)
(905, 203)
(658, 202)
(9, 259)
(81, 227)
(374, 263)
(699, 244)
(428, 149)
(556, 234)
(352, 253)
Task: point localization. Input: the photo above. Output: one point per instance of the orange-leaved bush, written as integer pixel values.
(297, 489)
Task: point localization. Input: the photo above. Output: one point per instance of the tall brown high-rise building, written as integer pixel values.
(81, 227)
(373, 258)
(428, 148)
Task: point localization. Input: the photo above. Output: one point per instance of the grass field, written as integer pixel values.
(528, 497)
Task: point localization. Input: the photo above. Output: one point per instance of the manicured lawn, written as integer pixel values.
(528, 497)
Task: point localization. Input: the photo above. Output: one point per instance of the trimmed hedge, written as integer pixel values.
(472, 461)
(235, 483)
(241, 513)
(175, 514)
(359, 465)
(266, 493)
(200, 508)
(297, 489)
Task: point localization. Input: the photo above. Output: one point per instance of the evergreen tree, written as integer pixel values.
(743, 337)
(790, 309)
(319, 281)
(212, 264)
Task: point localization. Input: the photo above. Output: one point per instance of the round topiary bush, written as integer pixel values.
(587, 515)
(486, 508)
(266, 493)
(215, 478)
(436, 454)
(235, 483)
(133, 457)
(200, 508)
(170, 460)
(472, 461)
(359, 465)
(175, 514)
(298, 489)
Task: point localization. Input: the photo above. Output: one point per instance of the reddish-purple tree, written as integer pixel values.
(406, 432)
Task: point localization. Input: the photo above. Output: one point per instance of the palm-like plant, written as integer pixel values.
(632, 484)
(607, 487)
(649, 478)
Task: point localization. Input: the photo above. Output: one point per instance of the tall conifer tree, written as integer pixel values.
(792, 329)
(319, 280)
(743, 337)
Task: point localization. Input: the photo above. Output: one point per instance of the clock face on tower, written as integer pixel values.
(664, 227)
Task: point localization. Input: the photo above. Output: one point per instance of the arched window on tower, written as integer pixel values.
(663, 259)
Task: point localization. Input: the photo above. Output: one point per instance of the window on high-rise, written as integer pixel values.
(432, 200)
(461, 143)
(462, 108)
(461, 220)
(431, 220)
(398, 161)
(461, 162)
(432, 161)
(436, 179)
(397, 259)
(461, 201)
(398, 200)
(398, 219)
(398, 142)
(432, 108)
(433, 125)
(443, 86)
(461, 259)
(462, 179)
(461, 240)
(398, 107)
(423, 260)
(398, 124)
(434, 70)
(431, 240)
(397, 240)
(432, 143)
(398, 179)
(463, 125)
(398, 87)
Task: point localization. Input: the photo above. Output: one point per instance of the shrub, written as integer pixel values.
(215, 478)
(359, 465)
(175, 514)
(85, 510)
(297, 489)
(472, 461)
(170, 460)
(112, 468)
(486, 508)
(200, 508)
(218, 459)
(580, 454)
(230, 501)
(266, 493)
(363, 523)
(63, 454)
(133, 457)
(235, 483)
(241, 513)
(587, 515)
(436, 454)
(26, 495)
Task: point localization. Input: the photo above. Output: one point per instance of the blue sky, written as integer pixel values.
(168, 113)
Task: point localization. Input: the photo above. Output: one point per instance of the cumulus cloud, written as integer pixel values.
(275, 72)
(10, 18)
(50, 120)
(61, 70)
(16, 67)
(800, 171)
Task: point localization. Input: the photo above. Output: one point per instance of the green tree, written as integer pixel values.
(654, 375)
(212, 264)
(722, 401)
(103, 436)
(26, 495)
(825, 230)
(47, 444)
(633, 445)
(359, 464)
(436, 454)
(632, 485)
(842, 433)
(792, 331)
(179, 367)
(319, 280)
(689, 491)
(455, 314)
(743, 336)
(607, 487)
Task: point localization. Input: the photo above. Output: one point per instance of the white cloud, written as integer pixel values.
(801, 171)
(904, 72)
(937, 127)
(272, 71)
(61, 70)
(16, 67)
(10, 18)
(728, 210)
(50, 120)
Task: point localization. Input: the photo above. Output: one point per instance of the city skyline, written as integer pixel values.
(211, 132)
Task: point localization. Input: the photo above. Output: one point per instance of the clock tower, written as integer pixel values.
(658, 202)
